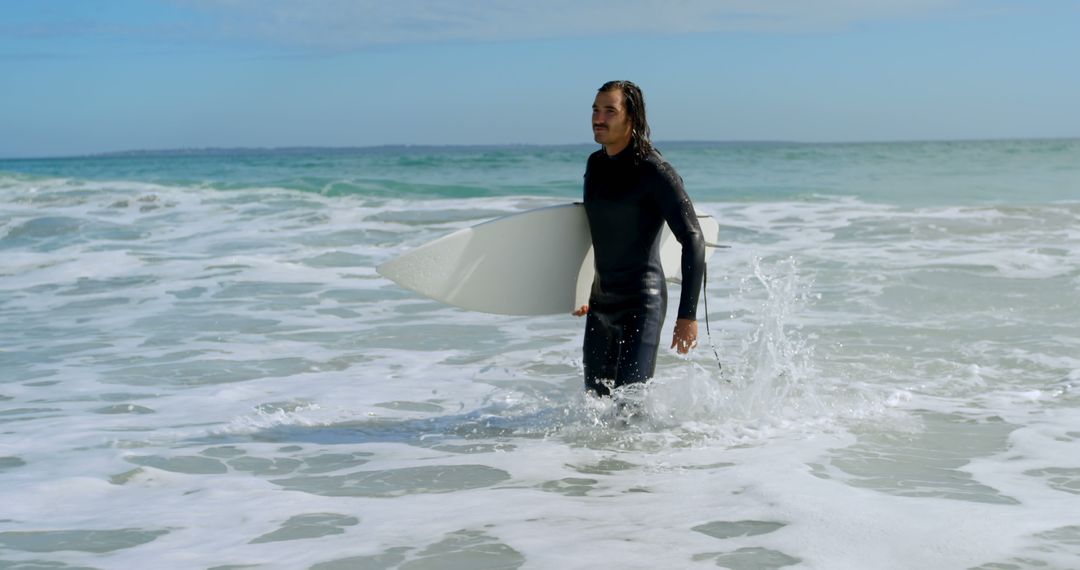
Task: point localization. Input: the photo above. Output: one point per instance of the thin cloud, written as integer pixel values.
(351, 24)
(38, 56)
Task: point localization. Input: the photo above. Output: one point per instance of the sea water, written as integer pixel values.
(200, 367)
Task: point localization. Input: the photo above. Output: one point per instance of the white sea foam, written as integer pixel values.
(218, 369)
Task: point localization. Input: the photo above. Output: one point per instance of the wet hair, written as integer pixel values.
(634, 102)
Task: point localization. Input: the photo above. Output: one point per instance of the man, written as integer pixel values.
(630, 192)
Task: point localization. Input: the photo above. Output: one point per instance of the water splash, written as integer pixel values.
(769, 382)
(773, 371)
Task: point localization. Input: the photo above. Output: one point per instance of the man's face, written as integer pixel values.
(610, 123)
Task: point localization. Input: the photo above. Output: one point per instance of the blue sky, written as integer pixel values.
(102, 75)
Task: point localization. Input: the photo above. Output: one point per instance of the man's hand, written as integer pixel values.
(582, 310)
(685, 335)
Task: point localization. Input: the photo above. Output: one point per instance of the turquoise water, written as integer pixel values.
(200, 367)
(927, 173)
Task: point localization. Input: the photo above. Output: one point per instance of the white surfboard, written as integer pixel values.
(537, 262)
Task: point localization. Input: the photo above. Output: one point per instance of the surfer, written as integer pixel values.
(630, 192)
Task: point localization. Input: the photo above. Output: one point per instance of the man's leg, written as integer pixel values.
(600, 354)
(640, 341)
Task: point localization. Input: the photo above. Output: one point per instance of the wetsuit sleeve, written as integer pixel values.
(679, 214)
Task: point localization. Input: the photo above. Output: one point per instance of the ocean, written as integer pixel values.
(200, 367)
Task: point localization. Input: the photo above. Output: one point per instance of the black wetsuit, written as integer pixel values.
(627, 205)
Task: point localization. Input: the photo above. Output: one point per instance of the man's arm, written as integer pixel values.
(679, 214)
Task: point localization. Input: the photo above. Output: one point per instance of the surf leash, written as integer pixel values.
(705, 296)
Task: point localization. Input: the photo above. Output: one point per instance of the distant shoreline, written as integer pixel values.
(422, 148)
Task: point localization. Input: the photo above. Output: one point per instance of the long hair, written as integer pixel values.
(634, 103)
